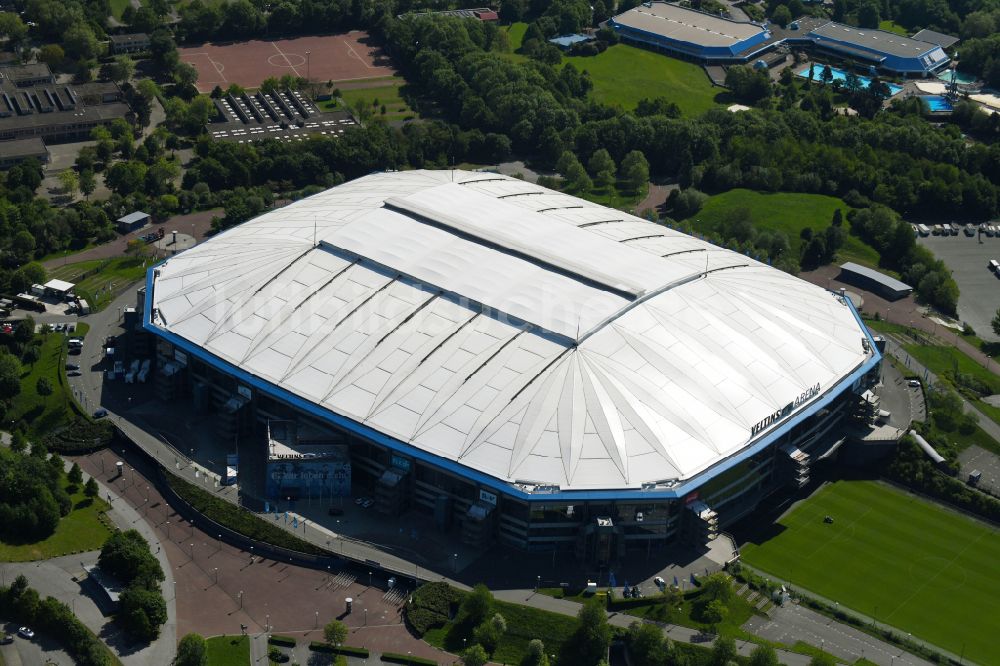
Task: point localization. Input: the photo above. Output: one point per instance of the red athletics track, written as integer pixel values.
(344, 57)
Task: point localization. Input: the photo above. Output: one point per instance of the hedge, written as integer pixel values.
(239, 519)
(283, 641)
(432, 606)
(396, 658)
(347, 650)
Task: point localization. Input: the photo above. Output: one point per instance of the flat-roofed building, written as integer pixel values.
(136, 42)
(690, 33)
(18, 150)
(58, 113)
(886, 51)
(22, 76)
(872, 280)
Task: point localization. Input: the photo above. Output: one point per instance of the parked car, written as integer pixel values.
(660, 583)
(913, 382)
(72, 366)
(100, 413)
(73, 373)
(6, 639)
(25, 632)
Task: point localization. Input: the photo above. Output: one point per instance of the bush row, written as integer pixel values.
(346, 650)
(283, 641)
(409, 660)
(238, 519)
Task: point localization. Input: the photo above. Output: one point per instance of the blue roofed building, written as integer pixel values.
(692, 34)
(886, 51)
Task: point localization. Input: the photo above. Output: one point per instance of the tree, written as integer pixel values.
(69, 182)
(717, 586)
(635, 170)
(536, 654)
(31, 355)
(191, 651)
(869, 14)
(74, 475)
(52, 55)
(748, 84)
(478, 604)
(763, 655)
(88, 183)
(13, 28)
(475, 655)
(781, 15)
(589, 643)
(90, 488)
(335, 632)
(577, 178)
(122, 69)
(185, 75)
(10, 375)
(600, 161)
(826, 75)
(996, 322)
(141, 612)
(714, 612)
(80, 42)
(723, 652)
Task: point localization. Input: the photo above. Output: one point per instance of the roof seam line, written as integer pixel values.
(652, 294)
(494, 354)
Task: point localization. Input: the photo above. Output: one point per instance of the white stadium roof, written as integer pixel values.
(520, 332)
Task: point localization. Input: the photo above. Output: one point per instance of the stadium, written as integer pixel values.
(522, 365)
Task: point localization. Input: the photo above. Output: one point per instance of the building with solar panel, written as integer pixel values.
(525, 366)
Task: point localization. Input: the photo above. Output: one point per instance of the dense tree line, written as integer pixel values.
(32, 499)
(141, 607)
(23, 605)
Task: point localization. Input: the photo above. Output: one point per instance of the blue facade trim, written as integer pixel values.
(374, 436)
(689, 48)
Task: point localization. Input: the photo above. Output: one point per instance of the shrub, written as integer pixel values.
(283, 641)
(433, 604)
(395, 658)
(346, 650)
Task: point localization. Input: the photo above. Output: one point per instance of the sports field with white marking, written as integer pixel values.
(907, 562)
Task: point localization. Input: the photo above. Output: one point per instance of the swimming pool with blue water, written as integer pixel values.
(938, 103)
(840, 75)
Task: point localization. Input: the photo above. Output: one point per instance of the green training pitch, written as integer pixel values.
(904, 561)
(788, 212)
(625, 74)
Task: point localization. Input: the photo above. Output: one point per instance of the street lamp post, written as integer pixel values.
(366, 617)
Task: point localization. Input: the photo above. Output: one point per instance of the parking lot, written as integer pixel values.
(968, 259)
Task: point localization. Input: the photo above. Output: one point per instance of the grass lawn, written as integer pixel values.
(44, 413)
(625, 74)
(892, 26)
(396, 107)
(81, 530)
(118, 7)
(786, 212)
(99, 281)
(515, 35)
(740, 611)
(523, 624)
(228, 650)
(905, 561)
(612, 197)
